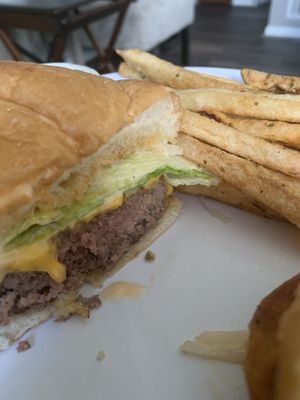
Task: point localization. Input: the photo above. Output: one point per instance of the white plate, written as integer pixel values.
(207, 274)
(75, 67)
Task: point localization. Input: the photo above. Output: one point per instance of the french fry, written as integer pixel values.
(282, 107)
(229, 194)
(271, 155)
(275, 131)
(278, 191)
(259, 175)
(228, 346)
(126, 71)
(271, 82)
(165, 73)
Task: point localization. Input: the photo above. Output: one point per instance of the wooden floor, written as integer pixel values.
(224, 36)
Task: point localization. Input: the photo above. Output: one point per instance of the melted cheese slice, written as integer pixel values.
(40, 256)
(111, 203)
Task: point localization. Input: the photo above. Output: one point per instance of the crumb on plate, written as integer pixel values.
(149, 256)
(23, 345)
(100, 356)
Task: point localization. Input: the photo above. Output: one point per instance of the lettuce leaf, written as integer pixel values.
(125, 176)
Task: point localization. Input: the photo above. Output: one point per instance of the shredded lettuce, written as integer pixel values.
(125, 176)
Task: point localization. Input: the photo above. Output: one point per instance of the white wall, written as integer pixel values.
(284, 19)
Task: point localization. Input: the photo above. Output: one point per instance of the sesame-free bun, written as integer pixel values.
(57, 123)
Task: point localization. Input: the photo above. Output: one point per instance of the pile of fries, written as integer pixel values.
(246, 134)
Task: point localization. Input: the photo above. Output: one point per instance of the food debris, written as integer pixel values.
(23, 345)
(90, 302)
(149, 256)
(100, 356)
(72, 304)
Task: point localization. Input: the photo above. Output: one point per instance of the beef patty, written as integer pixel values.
(95, 245)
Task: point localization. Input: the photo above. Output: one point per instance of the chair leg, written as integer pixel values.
(101, 53)
(93, 40)
(185, 46)
(110, 48)
(11, 47)
(105, 55)
(56, 53)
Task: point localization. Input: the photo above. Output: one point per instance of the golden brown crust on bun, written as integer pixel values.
(87, 108)
(52, 119)
(263, 351)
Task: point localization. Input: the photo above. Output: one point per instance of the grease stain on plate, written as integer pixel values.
(120, 289)
(214, 212)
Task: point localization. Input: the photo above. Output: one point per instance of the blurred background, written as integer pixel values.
(258, 34)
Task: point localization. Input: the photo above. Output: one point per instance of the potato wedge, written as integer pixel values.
(271, 82)
(262, 357)
(287, 384)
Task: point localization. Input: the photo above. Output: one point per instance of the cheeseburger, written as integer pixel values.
(87, 167)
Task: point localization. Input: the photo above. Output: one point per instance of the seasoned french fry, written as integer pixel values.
(278, 191)
(168, 74)
(271, 155)
(229, 194)
(284, 132)
(259, 175)
(128, 72)
(282, 107)
(271, 82)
